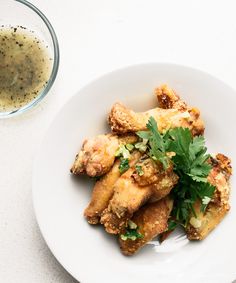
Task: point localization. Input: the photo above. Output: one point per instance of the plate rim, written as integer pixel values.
(65, 265)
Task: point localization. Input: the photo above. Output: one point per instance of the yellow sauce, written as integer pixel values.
(25, 67)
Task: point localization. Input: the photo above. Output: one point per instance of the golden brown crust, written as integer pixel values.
(98, 154)
(123, 120)
(151, 220)
(129, 196)
(154, 173)
(104, 189)
(168, 98)
(113, 223)
(102, 193)
(151, 172)
(224, 164)
(208, 221)
(165, 185)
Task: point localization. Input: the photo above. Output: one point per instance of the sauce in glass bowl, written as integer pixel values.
(25, 67)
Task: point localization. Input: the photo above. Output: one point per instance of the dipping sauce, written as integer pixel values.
(25, 67)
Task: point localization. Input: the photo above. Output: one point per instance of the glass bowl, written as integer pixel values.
(21, 13)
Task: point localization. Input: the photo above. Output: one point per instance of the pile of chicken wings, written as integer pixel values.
(145, 199)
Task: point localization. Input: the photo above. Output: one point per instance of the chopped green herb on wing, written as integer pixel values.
(124, 165)
(139, 170)
(131, 232)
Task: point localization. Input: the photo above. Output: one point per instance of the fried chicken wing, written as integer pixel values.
(98, 154)
(151, 220)
(129, 195)
(123, 120)
(103, 191)
(200, 227)
(172, 113)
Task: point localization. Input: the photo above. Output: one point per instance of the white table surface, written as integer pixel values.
(95, 37)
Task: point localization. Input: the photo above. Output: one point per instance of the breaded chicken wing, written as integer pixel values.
(129, 195)
(98, 154)
(102, 193)
(172, 113)
(103, 190)
(123, 120)
(151, 220)
(200, 227)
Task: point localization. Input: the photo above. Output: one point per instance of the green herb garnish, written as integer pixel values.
(157, 148)
(142, 146)
(124, 165)
(131, 232)
(122, 151)
(190, 164)
(129, 146)
(172, 225)
(139, 170)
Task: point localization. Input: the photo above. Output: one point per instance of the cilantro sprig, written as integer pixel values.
(157, 147)
(190, 160)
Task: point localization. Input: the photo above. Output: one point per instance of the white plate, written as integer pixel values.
(87, 252)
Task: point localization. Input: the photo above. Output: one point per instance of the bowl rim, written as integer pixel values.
(55, 67)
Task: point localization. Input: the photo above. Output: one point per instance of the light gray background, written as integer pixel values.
(96, 37)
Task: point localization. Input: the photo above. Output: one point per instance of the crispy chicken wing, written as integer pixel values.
(98, 154)
(175, 114)
(151, 220)
(129, 195)
(102, 193)
(201, 226)
(103, 190)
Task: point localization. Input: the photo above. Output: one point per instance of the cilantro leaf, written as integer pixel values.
(190, 157)
(156, 142)
(156, 136)
(197, 145)
(180, 142)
